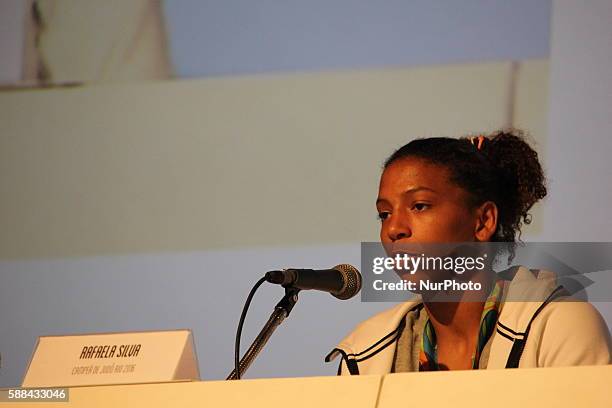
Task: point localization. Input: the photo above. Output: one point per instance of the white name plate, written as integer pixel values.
(112, 358)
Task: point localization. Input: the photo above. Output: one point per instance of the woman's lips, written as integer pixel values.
(402, 250)
(402, 253)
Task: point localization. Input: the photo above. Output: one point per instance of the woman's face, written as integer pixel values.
(418, 203)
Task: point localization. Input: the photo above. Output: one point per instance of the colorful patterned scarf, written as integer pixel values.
(428, 356)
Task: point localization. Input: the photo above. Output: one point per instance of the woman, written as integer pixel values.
(441, 190)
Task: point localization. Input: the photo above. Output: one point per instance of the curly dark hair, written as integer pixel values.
(505, 170)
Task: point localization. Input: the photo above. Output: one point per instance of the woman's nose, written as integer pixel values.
(398, 229)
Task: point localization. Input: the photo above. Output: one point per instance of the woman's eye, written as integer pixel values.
(420, 207)
(383, 215)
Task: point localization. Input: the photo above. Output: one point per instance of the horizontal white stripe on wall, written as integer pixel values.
(226, 163)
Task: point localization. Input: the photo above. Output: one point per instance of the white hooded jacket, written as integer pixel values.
(550, 329)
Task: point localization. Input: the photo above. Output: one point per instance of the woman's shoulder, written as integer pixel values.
(567, 311)
(531, 295)
(564, 330)
(572, 332)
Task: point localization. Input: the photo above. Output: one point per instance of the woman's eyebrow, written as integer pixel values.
(381, 201)
(417, 189)
(413, 190)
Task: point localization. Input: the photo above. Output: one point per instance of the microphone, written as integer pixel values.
(342, 281)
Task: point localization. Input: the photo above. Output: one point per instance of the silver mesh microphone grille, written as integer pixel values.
(352, 281)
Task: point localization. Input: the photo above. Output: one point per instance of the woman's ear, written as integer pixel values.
(486, 221)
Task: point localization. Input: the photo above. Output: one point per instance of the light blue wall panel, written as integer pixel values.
(245, 36)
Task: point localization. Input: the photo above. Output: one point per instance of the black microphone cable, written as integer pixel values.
(241, 323)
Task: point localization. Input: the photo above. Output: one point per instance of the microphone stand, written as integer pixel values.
(281, 311)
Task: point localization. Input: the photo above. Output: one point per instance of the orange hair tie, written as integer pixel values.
(480, 139)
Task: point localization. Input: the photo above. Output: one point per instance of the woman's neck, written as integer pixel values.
(456, 326)
(457, 320)
(459, 315)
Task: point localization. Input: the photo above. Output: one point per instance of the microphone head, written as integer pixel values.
(352, 281)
